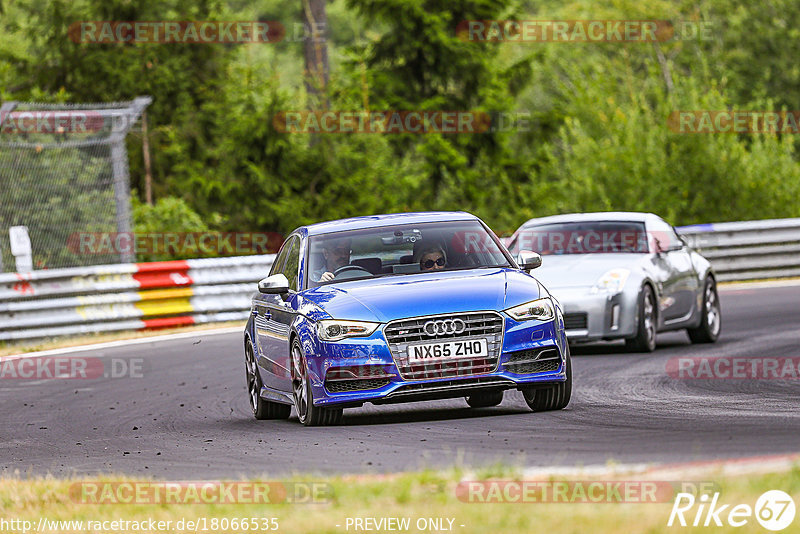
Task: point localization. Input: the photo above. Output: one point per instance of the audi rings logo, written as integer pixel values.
(444, 326)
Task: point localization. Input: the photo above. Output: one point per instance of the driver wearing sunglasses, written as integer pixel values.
(432, 258)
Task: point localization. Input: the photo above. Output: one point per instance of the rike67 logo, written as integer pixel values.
(774, 510)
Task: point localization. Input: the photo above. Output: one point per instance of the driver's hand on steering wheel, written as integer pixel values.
(326, 277)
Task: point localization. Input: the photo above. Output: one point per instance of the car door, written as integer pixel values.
(273, 316)
(282, 311)
(678, 279)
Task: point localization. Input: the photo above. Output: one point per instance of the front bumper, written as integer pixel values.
(599, 316)
(532, 354)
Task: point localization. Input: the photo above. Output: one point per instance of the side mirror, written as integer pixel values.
(277, 284)
(670, 247)
(528, 260)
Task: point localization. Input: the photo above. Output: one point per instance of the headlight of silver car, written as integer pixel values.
(539, 309)
(335, 330)
(612, 281)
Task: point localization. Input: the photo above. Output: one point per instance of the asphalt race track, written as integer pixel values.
(188, 416)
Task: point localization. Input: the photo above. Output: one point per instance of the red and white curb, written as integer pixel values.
(747, 465)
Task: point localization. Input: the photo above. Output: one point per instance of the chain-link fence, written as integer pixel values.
(63, 175)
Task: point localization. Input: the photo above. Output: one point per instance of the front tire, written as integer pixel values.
(485, 400)
(711, 316)
(308, 414)
(262, 409)
(645, 340)
(553, 398)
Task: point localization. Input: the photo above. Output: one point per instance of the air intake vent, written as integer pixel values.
(526, 362)
(357, 378)
(575, 321)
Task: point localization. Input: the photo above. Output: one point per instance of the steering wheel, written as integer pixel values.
(355, 269)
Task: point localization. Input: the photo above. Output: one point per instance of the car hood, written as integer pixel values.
(395, 297)
(582, 270)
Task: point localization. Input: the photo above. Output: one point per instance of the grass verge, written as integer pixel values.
(417, 496)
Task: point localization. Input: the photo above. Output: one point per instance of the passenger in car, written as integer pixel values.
(431, 257)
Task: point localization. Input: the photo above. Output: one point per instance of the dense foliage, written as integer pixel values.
(594, 133)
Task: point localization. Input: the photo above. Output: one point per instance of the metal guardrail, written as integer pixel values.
(752, 250)
(132, 296)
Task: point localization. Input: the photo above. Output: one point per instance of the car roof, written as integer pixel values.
(628, 216)
(376, 221)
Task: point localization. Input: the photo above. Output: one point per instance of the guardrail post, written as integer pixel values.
(119, 163)
(5, 110)
(122, 193)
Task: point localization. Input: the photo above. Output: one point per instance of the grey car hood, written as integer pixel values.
(582, 270)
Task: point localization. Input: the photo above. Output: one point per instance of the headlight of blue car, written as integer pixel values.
(335, 330)
(539, 309)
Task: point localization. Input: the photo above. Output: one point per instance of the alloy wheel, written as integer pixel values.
(712, 310)
(252, 377)
(649, 319)
(299, 387)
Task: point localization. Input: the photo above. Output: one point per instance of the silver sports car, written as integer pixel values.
(623, 276)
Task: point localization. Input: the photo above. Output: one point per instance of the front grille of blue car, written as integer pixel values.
(487, 325)
(525, 362)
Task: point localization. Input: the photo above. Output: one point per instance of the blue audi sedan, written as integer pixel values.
(398, 308)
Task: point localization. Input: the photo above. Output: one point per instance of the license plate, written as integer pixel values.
(448, 350)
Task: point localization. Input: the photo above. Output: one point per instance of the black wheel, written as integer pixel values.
(711, 316)
(485, 400)
(308, 414)
(262, 409)
(645, 339)
(553, 398)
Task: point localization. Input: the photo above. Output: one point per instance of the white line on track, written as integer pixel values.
(733, 286)
(126, 342)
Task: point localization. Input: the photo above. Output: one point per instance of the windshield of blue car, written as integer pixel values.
(401, 250)
(590, 237)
